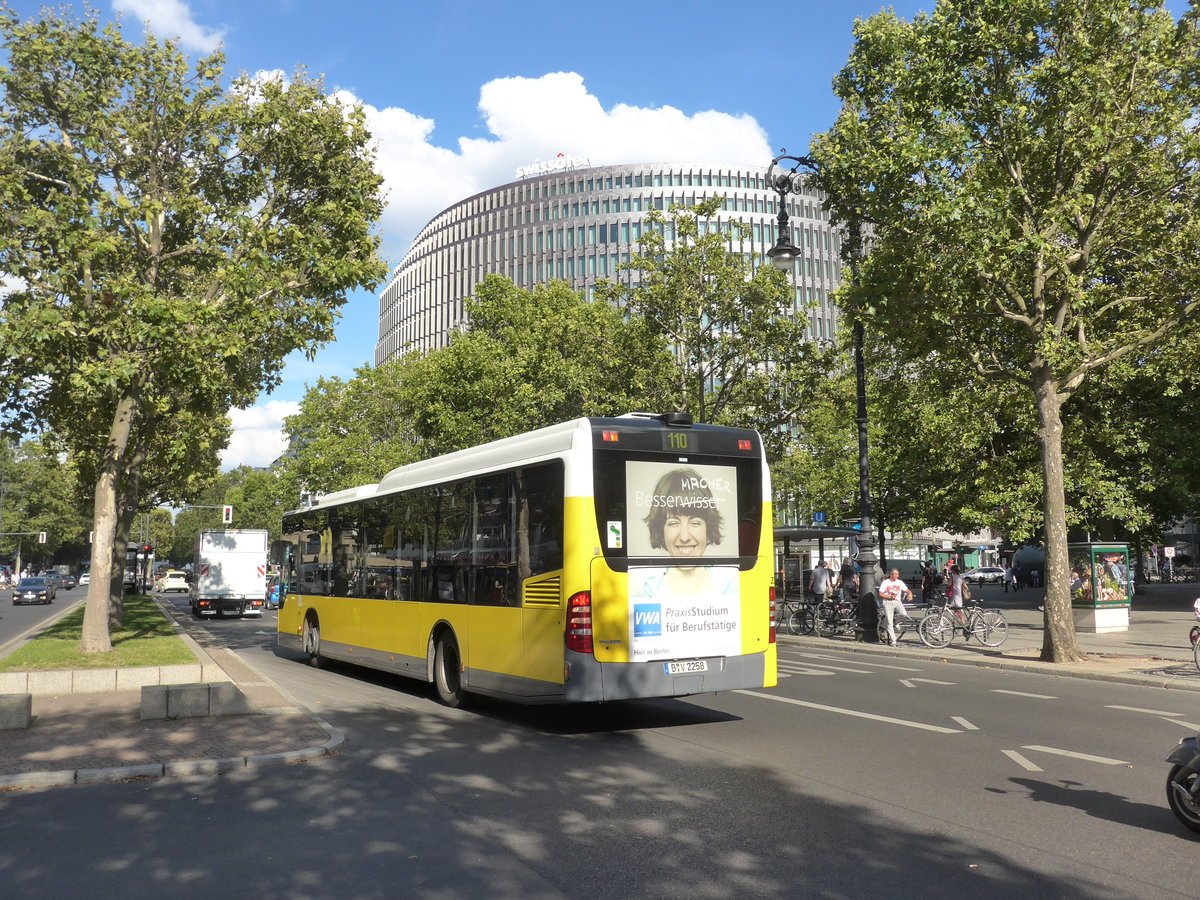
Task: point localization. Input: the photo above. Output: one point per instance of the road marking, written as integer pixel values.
(1087, 757)
(838, 668)
(789, 672)
(933, 681)
(1190, 726)
(964, 723)
(861, 663)
(1024, 694)
(1022, 761)
(907, 683)
(1153, 712)
(858, 714)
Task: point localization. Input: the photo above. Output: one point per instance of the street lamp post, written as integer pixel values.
(789, 179)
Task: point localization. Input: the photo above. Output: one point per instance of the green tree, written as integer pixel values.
(528, 359)
(1030, 171)
(742, 356)
(173, 240)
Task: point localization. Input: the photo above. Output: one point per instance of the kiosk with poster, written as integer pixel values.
(1101, 587)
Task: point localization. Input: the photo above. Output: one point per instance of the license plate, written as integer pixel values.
(686, 666)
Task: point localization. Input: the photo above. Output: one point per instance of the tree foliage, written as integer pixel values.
(1030, 170)
(742, 356)
(171, 241)
(529, 358)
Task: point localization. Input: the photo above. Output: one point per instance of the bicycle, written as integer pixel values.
(900, 624)
(988, 626)
(797, 615)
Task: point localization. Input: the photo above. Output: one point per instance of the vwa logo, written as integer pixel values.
(647, 620)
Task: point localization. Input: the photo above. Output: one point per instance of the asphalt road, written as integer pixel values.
(16, 621)
(852, 778)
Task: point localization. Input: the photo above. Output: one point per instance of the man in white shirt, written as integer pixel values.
(894, 592)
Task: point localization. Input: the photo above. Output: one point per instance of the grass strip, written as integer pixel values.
(145, 638)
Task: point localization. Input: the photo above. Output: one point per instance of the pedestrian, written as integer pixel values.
(1035, 577)
(818, 582)
(929, 580)
(893, 592)
(1008, 577)
(954, 593)
(847, 581)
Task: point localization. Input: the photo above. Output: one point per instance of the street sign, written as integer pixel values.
(1169, 552)
(857, 526)
(818, 518)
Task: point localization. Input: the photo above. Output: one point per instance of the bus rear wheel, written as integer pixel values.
(447, 672)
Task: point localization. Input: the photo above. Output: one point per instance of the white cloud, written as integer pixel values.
(537, 118)
(170, 19)
(258, 438)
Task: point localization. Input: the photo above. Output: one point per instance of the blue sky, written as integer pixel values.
(460, 92)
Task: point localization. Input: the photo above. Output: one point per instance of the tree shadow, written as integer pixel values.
(437, 803)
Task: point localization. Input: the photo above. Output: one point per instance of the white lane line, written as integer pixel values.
(788, 672)
(1024, 694)
(861, 663)
(907, 683)
(1190, 726)
(1022, 761)
(1153, 712)
(1086, 757)
(933, 681)
(858, 714)
(838, 668)
(964, 723)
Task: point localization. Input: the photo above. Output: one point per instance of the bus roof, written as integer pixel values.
(529, 448)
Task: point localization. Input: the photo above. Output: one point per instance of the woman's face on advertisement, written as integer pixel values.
(685, 535)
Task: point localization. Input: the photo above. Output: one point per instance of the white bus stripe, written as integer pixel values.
(940, 729)
(1022, 761)
(1087, 757)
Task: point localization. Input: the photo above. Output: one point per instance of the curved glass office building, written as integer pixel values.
(578, 225)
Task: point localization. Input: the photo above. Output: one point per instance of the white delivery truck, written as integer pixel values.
(229, 574)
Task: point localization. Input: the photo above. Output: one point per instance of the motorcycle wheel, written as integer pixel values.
(1179, 797)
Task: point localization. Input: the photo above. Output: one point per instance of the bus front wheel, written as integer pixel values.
(447, 672)
(312, 643)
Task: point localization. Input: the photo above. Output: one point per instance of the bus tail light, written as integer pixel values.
(579, 622)
(774, 615)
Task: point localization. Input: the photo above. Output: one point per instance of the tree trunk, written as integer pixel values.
(125, 517)
(95, 638)
(1058, 636)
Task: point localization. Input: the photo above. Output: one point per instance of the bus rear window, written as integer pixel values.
(651, 508)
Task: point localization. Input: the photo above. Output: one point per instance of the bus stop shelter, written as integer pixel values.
(794, 549)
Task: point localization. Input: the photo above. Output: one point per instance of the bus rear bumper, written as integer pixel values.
(589, 680)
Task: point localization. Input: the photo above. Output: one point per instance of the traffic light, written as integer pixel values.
(227, 515)
(41, 537)
(145, 548)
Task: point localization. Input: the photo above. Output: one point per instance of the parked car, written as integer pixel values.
(985, 575)
(37, 589)
(172, 581)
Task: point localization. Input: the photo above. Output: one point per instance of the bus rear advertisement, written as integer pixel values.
(599, 559)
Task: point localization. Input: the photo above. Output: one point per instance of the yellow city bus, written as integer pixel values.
(599, 559)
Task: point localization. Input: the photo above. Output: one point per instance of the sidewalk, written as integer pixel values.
(90, 738)
(1155, 651)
